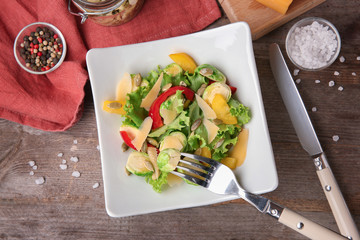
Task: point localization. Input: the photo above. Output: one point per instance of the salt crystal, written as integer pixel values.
(298, 80)
(63, 166)
(75, 141)
(335, 138)
(76, 174)
(98, 147)
(358, 58)
(60, 154)
(96, 185)
(31, 173)
(296, 72)
(314, 109)
(40, 180)
(354, 73)
(63, 161)
(31, 163)
(317, 81)
(74, 159)
(312, 46)
(336, 73)
(342, 59)
(35, 167)
(331, 83)
(340, 88)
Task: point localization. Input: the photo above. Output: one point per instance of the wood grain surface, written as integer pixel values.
(262, 19)
(65, 207)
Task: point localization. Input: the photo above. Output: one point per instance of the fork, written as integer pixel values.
(220, 179)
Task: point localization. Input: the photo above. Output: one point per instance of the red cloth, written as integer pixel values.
(54, 102)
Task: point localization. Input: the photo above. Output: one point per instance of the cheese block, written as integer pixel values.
(168, 115)
(152, 95)
(211, 128)
(206, 109)
(280, 6)
(124, 87)
(141, 136)
(171, 142)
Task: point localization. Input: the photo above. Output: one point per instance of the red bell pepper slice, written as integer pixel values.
(233, 89)
(127, 139)
(154, 111)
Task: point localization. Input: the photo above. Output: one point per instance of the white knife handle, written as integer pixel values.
(306, 227)
(336, 200)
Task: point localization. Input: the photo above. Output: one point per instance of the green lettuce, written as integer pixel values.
(180, 122)
(238, 110)
(196, 80)
(134, 112)
(174, 102)
(157, 184)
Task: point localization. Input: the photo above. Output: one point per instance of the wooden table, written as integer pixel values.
(68, 208)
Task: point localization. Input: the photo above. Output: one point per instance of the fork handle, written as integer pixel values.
(306, 227)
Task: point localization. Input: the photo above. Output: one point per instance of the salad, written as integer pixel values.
(183, 107)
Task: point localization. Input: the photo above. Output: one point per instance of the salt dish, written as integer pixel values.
(313, 44)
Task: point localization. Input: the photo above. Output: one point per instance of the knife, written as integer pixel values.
(309, 141)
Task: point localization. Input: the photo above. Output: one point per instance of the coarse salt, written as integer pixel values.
(98, 147)
(312, 46)
(96, 185)
(340, 88)
(31, 163)
(314, 109)
(76, 174)
(63, 161)
(75, 141)
(331, 83)
(31, 173)
(298, 80)
(74, 159)
(336, 73)
(335, 138)
(358, 58)
(342, 59)
(296, 72)
(40, 180)
(63, 166)
(35, 167)
(353, 73)
(317, 81)
(60, 154)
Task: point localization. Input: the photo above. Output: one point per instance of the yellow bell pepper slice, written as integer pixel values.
(185, 61)
(222, 110)
(114, 107)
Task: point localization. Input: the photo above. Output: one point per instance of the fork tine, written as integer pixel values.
(202, 174)
(197, 165)
(201, 158)
(195, 180)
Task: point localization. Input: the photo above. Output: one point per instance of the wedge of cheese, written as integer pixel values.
(280, 6)
(124, 87)
(207, 110)
(211, 128)
(141, 136)
(152, 95)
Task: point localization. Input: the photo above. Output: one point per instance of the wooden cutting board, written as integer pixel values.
(262, 19)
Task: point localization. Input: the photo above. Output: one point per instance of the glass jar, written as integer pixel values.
(107, 12)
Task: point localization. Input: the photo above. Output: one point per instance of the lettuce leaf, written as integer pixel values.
(157, 184)
(196, 80)
(174, 102)
(134, 112)
(181, 121)
(238, 110)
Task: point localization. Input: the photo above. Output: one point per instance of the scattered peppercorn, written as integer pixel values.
(37, 52)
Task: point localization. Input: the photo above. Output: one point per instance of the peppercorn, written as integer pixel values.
(41, 50)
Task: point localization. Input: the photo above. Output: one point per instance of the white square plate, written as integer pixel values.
(229, 48)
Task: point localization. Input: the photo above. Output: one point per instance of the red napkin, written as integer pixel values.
(54, 102)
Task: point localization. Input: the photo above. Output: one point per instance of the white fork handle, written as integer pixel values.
(306, 227)
(337, 204)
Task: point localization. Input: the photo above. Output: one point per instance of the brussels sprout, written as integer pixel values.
(175, 140)
(174, 103)
(211, 72)
(139, 164)
(173, 69)
(168, 159)
(216, 88)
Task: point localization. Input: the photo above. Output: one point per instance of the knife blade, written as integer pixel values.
(309, 141)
